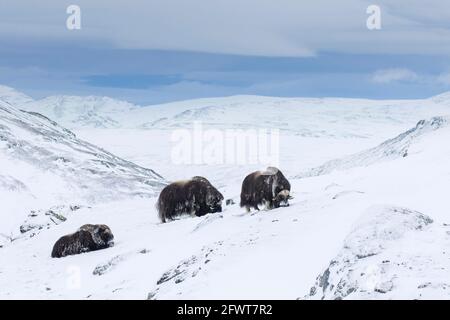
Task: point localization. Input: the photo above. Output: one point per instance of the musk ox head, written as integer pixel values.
(282, 199)
(282, 189)
(269, 188)
(214, 200)
(101, 234)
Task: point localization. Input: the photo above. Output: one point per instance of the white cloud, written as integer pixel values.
(394, 75)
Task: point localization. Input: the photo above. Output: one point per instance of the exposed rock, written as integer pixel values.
(44, 219)
(101, 269)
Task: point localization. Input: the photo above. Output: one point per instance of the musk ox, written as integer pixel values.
(89, 237)
(196, 196)
(269, 188)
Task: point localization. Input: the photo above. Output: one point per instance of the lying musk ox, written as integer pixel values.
(195, 197)
(269, 188)
(89, 237)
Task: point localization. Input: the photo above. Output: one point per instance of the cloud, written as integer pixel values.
(283, 28)
(162, 50)
(444, 79)
(394, 75)
(430, 12)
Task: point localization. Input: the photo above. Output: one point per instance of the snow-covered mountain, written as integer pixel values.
(308, 117)
(443, 98)
(370, 216)
(14, 97)
(78, 112)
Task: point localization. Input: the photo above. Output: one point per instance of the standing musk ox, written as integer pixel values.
(195, 197)
(269, 188)
(89, 237)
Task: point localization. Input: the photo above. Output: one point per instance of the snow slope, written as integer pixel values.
(390, 149)
(44, 165)
(392, 252)
(76, 112)
(13, 97)
(369, 219)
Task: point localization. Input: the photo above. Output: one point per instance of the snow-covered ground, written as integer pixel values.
(370, 216)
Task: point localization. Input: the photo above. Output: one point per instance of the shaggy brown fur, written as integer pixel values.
(269, 188)
(89, 237)
(196, 197)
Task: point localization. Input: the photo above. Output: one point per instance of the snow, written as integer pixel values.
(14, 97)
(44, 165)
(388, 150)
(392, 252)
(75, 111)
(370, 214)
(351, 118)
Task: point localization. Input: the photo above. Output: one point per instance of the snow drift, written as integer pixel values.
(387, 255)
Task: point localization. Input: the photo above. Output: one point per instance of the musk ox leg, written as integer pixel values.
(268, 205)
(200, 212)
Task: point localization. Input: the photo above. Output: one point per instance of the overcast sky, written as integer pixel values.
(149, 51)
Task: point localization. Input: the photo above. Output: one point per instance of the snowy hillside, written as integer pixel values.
(388, 150)
(14, 97)
(443, 98)
(370, 216)
(44, 164)
(76, 112)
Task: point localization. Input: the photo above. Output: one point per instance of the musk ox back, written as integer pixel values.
(195, 197)
(89, 237)
(269, 188)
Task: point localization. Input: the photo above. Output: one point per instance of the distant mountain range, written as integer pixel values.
(301, 116)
